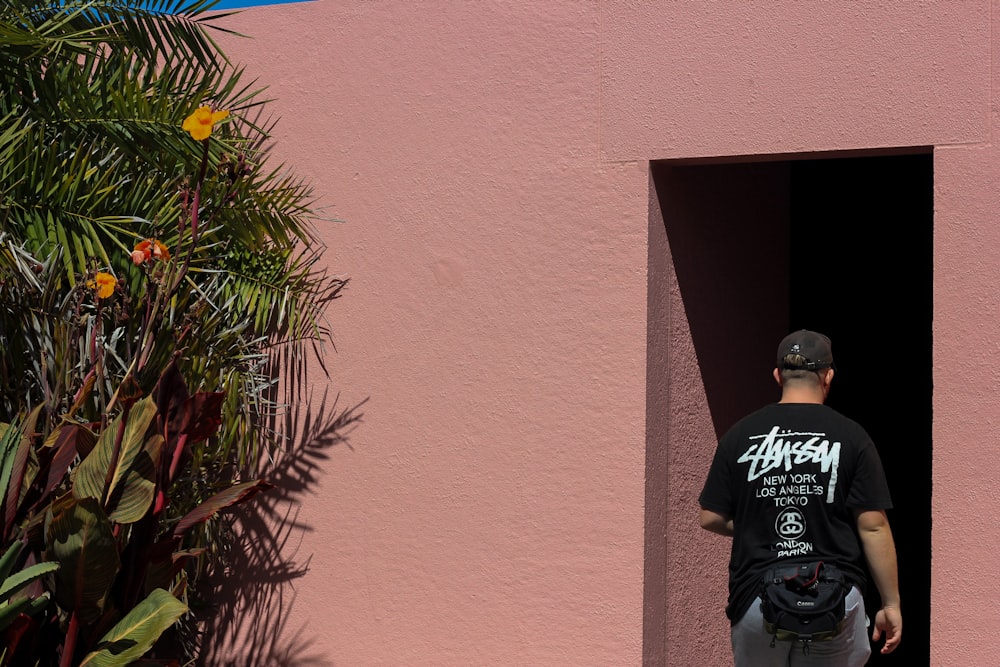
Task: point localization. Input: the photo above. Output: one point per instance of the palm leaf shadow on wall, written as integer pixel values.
(249, 626)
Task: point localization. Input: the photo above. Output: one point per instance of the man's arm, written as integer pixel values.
(880, 552)
(715, 522)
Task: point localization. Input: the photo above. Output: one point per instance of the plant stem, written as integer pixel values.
(69, 646)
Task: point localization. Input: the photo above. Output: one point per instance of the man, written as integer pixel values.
(798, 482)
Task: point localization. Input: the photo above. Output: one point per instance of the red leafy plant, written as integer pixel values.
(117, 586)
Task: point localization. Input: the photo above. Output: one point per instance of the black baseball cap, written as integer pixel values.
(815, 347)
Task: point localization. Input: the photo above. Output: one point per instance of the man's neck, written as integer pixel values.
(802, 395)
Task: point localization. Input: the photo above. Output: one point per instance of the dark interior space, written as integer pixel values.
(842, 245)
(861, 262)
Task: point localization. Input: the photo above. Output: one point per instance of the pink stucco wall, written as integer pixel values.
(491, 161)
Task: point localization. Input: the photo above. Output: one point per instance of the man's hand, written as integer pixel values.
(890, 621)
(880, 551)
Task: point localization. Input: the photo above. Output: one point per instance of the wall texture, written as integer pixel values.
(491, 163)
(489, 509)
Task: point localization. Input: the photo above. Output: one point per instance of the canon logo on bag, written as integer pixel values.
(804, 603)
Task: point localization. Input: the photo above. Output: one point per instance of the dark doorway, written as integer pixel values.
(842, 245)
(861, 266)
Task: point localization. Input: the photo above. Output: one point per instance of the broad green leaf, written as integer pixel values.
(12, 584)
(137, 631)
(78, 536)
(94, 470)
(9, 558)
(90, 476)
(27, 606)
(19, 580)
(135, 494)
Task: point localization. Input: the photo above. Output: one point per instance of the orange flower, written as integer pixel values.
(104, 284)
(200, 123)
(149, 249)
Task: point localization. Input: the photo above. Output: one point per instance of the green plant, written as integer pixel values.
(14, 602)
(149, 270)
(100, 525)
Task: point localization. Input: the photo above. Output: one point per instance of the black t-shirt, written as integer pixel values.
(790, 476)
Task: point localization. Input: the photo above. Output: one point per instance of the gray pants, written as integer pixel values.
(851, 648)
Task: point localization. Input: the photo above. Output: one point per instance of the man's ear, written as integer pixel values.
(827, 381)
(777, 376)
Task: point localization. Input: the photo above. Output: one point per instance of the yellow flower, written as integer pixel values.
(200, 123)
(104, 284)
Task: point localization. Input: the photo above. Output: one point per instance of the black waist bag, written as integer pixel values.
(804, 602)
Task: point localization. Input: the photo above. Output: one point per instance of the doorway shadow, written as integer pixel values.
(727, 226)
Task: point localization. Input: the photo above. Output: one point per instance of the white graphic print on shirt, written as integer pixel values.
(785, 450)
(791, 525)
(777, 462)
